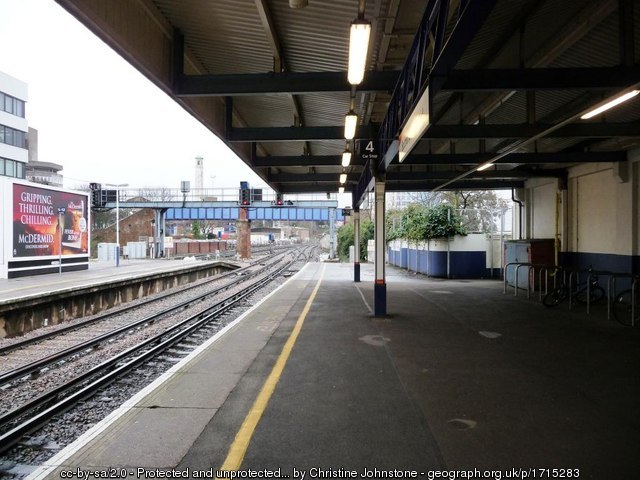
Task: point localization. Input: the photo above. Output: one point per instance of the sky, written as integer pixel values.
(96, 115)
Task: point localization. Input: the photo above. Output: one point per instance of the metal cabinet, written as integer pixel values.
(536, 251)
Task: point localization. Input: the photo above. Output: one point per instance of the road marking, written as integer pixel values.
(241, 442)
(364, 299)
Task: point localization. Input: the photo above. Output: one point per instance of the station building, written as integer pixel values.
(42, 229)
(13, 127)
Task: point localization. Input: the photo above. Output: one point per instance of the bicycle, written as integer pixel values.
(623, 310)
(591, 287)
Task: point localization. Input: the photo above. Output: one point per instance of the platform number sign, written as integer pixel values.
(368, 149)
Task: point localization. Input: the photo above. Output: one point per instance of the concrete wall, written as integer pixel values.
(540, 208)
(19, 316)
(476, 255)
(599, 214)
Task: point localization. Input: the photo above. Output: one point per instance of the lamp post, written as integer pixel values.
(61, 211)
(117, 186)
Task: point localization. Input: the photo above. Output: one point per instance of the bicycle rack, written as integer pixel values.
(590, 273)
(574, 279)
(531, 272)
(611, 289)
(517, 265)
(545, 269)
(633, 302)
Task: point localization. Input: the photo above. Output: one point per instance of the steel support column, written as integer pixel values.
(156, 232)
(380, 287)
(332, 233)
(356, 244)
(163, 230)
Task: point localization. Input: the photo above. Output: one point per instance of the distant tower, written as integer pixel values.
(199, 175)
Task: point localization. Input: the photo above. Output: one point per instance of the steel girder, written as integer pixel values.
(445, 159)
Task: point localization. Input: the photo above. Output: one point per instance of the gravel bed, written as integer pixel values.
(115, 320)
(73, 321)
(21, 392)
(43, 444)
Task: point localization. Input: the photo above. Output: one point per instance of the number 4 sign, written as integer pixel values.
(368, 149)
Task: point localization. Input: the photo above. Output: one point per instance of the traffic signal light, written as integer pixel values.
(96, 198)
(279, 199)
(245, 196)
(96, 195)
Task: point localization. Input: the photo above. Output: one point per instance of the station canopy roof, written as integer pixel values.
(506, 83)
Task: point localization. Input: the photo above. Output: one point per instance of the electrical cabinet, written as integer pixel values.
(535, 251)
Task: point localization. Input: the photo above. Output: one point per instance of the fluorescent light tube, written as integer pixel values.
(340, 189)
(483, 167)
(346, 158)
(343, 178)
(350, 121)
(358, 46)
(610, 104)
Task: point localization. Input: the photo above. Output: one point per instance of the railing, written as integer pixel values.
(413, 76)
(53, 179)
(574, 277)
(211, 194)
(611, 286)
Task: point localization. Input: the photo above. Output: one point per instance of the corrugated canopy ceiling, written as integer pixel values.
(270, 80)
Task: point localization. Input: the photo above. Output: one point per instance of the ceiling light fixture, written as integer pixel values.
(298, 3)
(346, 158)
(483, 167)
(610, 104)
(340, 189)
(343, 177)
(358, 46)
(350, 122)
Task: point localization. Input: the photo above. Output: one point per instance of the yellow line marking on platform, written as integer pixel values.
(241, 442)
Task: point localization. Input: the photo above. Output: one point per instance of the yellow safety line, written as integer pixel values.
(240, 444)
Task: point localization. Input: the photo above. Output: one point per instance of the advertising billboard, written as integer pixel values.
(49, 222)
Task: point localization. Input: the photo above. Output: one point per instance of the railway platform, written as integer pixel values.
(457, 377)
(30, 302)
(98, 272)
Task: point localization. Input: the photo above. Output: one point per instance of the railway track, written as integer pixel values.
(101, 317)
(181, 336)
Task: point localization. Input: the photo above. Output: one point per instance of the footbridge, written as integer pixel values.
(223, 204)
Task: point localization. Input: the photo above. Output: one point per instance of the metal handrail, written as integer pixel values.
(573, 274)
(633, 300)
(611, 292)
(532, 266)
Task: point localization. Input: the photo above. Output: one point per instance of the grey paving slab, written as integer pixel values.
(456, 376)
(146, 437)
(158, 431)
(193, 390)
(340, 402)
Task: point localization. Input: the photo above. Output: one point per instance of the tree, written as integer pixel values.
(346, 234)
(442, 221)
(419, 222)
(394, 225)
(196, 230)
(157, 194)
(479, 209)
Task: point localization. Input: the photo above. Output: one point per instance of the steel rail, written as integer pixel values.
(102, 316)
(38, 365)
(202, 318)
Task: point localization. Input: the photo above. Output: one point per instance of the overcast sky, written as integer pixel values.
(96, 115)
